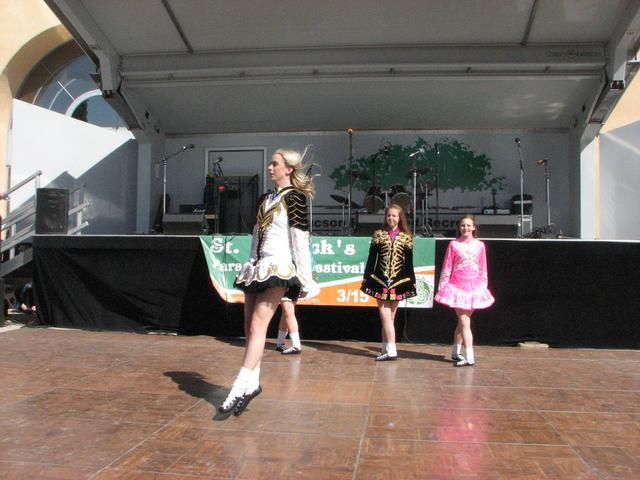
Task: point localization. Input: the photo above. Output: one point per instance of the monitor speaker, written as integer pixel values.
(52, 211)
(182, 223)
(497, 231)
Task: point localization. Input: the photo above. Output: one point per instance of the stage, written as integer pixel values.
(105, 405)
(561, 292)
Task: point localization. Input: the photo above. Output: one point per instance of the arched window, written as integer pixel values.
(61, 82)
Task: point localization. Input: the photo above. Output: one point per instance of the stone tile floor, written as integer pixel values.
(109, 405)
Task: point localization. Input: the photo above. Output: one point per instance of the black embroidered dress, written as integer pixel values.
(389, 273)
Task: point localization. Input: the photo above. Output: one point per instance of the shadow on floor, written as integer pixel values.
(194, 384)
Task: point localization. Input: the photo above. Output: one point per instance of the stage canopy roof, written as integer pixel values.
(202, 66)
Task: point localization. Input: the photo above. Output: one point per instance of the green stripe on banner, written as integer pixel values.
(338, 265)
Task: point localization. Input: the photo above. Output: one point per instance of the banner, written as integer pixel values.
(338, 268)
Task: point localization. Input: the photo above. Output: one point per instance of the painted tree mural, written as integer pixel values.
(458, 166)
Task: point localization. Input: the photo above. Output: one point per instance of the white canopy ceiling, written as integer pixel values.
(202, 66)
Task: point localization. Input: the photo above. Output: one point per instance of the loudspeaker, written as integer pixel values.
(182, 223)
(527, 206)
(497, 231)
(52, 210)
(238, 204)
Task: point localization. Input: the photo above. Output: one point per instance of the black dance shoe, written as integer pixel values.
(464, 363)
(385, 357)
(230, 404)
(292, 351)
(245, 399)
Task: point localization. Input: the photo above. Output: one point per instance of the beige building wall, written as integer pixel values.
(28, 32)
(628, 109)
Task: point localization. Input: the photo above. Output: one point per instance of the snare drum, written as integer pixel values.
(400, 197)
(374, 200)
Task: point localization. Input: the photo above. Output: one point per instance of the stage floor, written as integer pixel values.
(79, 404)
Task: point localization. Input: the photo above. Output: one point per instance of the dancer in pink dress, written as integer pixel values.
(463, 286)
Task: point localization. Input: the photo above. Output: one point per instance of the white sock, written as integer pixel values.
(239, 385)
(254, 381)
(243, 379)
(295, 339)
(391, 350)
(282, 335)
(468, 352)
(456, 349)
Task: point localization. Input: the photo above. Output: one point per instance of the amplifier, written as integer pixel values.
(498, 211)
(191, 208)
(527, 204)
(182, 223)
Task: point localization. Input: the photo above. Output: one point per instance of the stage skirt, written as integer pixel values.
(455, 297)
(268, 273)
(395, 292)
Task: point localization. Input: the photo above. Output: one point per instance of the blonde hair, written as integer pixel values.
(300, 181)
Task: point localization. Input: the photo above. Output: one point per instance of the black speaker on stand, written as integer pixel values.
(233, 202)
(52, 211)
(239, 205)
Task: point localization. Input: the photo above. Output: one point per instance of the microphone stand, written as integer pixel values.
(426, 228)
(521, 189)
(164, 177)
(349, 223)
(547, 176)
(310, 204)
(437, 182)
(414, 175)
(217, 172)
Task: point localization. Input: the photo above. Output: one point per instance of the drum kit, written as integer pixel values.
(378, 198)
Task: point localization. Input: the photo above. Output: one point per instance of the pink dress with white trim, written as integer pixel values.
(463, 281)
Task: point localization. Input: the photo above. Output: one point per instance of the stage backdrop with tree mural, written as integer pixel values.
(458, 167)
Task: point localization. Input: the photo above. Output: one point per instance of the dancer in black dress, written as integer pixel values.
(389, 275)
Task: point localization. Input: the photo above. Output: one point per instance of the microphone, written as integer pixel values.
(437, 145)
(517, 140)
(219, 160)
(186, 147)
(417, 152)
(542, 161)
(350, 131)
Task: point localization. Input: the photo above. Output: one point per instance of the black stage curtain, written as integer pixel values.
(113, 283)
(561, 292)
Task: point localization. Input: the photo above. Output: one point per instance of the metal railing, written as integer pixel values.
(13, 236)
(34, 176)
(24, 217)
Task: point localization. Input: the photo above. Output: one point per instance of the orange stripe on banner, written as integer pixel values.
(341, 295)
(345, 294)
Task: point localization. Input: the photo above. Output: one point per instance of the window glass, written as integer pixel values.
(61, 82)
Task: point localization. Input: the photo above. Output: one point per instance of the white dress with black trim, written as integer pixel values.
(280, 255)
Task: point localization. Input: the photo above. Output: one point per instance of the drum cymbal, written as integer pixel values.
(339, 198)
(343, 201)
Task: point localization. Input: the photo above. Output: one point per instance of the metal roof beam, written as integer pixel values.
(581, 59)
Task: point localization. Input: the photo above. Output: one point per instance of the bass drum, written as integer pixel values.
(400, 197)
(374, 200)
